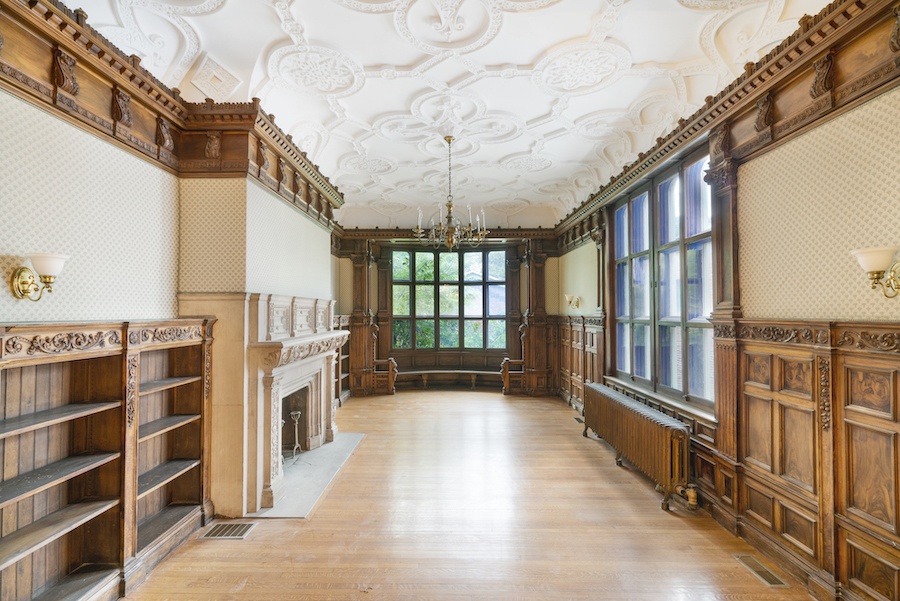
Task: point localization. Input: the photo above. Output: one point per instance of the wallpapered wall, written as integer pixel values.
(286, 252)
(803, 206)
(63, 190)
(213, 235)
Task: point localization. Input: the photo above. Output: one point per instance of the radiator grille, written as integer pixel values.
(761, 571)
(653, 442)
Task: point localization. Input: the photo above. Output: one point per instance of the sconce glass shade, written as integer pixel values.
(875, 259)
(47, 264)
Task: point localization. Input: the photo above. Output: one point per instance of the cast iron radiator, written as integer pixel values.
(653, 442)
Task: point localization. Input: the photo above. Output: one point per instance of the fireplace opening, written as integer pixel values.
(294, 423)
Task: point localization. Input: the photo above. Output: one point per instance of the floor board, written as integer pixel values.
(469, 495)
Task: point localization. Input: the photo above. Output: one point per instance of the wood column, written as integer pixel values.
(385, 305)
(362, 327)
(722, 178)
(536, 333)
(513, 304)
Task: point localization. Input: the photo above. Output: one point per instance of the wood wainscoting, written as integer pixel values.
(802, 454)
(580, 355)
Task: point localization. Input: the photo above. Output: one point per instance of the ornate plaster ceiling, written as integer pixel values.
(548, 99)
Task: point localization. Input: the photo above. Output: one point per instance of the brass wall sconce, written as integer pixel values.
(47, 266)
(875, 262)
(573, 301)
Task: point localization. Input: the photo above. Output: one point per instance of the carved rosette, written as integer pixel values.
(764, 113)
(784, 335)
(121, 107)
(825, 392)
(64, 72)
(824, 79)
(213, 145)
(65, 342)
(131, 390)
(164, 134)
(884, 341)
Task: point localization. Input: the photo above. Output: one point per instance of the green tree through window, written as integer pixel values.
(448, 300)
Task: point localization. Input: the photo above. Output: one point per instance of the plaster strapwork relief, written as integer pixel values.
(314, 70)
(581, 69)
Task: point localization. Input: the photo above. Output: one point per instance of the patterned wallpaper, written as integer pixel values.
(286, 253)
(64, 190)
(213, 235)
(805, 205)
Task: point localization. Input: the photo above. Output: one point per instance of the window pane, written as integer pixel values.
(623, 347)
(496, 333)
(622, 232)
(640, 223)
(700, 362)
(640, 268)
(473, 334)
(424, 333)
(497, 266)
(699, 280)
(424, 267)
(497, 299)
(670, 365)
(698, 213)
(622, 288)
(400, 266)
(401, 300)
(449, 267)
(670, 283)
(401, 334)
(474, 301)
(449, 299)
(449, 333)
(473, 267)
(425, 301)
(642, 351)
(669, 211)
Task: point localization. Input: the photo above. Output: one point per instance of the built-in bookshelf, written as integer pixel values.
(103, 434)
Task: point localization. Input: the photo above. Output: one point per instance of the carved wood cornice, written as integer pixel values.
(835, 24)
(88, 80)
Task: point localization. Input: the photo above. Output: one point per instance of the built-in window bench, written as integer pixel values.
(449, 375)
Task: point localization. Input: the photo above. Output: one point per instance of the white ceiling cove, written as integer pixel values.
(548, 99)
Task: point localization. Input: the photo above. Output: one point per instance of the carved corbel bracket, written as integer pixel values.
(64, 73)
(823, 82)
(164, 135)
(895, 34)
(213, 145)
(262, 156)
(721, 176)
(121, 107)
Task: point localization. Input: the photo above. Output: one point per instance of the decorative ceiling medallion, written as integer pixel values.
(214, 80)
(387, 207)
(359, 163)
(509, 207)
(315, 70)
(528, 163)
(581, 68)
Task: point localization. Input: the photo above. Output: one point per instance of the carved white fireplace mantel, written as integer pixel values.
(294, 349)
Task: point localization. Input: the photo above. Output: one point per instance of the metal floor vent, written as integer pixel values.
(232, 531)
(764, 573)
(579, 420)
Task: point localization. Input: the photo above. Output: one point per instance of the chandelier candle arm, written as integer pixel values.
(449, 231)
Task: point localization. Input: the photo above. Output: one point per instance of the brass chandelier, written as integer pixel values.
(449, 231)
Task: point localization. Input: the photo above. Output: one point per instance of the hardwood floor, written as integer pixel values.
(457, 495)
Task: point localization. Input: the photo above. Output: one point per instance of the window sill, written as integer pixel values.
(699, 413)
